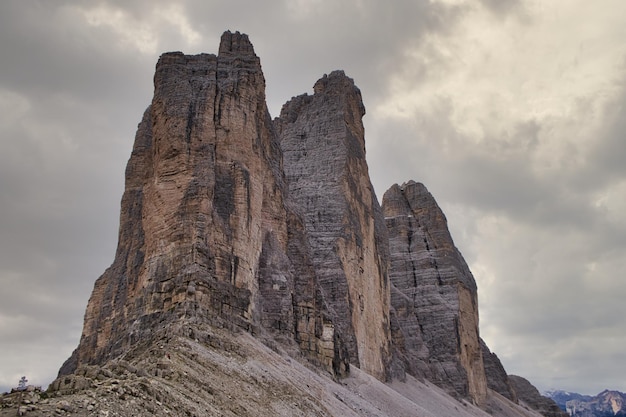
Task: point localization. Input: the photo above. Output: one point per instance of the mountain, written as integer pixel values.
(323, 146)
(607, 403)
(434, 289)
(256, 272)
(562, 397)
(530, 396)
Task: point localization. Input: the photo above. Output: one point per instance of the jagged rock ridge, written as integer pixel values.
(530, 396)
(206, 233)
(230, 220)
(436, 300)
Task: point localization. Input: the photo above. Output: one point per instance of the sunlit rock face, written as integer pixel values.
(322, 139)
(436, 293)
(206, 232)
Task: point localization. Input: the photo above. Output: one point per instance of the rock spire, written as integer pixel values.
(239, 229)
(206, 233)
(435, 291)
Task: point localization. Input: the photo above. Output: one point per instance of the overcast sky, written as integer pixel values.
(511, 112)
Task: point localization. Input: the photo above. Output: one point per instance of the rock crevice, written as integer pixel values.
(233, 221)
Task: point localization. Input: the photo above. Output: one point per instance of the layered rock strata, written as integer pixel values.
(322, 139)
(436, 299)
(230, 220)
(529, 395)
(206, 232)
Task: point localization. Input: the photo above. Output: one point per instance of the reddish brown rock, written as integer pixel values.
(231, 221)
(497, 378)
(322, 139)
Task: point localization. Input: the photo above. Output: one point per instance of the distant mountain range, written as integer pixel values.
(605, 404)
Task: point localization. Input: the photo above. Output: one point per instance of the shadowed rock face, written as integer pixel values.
(206, 233)
(527, 393)
(435, 301)
(322, 139)
(497, 379)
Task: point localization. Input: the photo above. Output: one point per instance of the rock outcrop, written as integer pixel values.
(529, 395)
(497, 378)
(436, 292)
(206, 233)
(322, 139)
(250, 246)
(220, 373)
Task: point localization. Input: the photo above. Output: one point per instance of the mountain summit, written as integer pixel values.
(257, 274)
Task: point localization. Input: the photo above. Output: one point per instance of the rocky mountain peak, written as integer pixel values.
(338, 83)
(606, 403)
(237, 44)
(529, 395)
(323, 145)
(254, 253)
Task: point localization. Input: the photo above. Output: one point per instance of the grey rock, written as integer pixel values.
(322, 140)
(528, 394)
(248, 247)
(606, 403)
(206, 232)
(436, 300)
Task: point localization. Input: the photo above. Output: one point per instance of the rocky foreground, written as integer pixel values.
(218, 373)
(257, 274)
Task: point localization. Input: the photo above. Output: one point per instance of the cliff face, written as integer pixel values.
(528, 394)
(436, 299)
(231, 221)
(497, 379)
(205, 231)
(322, 139)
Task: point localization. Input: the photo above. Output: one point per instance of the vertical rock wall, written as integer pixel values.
(232, 220)
(436, 292)
(206, 232)
(322, 139)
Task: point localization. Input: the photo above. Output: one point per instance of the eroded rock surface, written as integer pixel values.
(497, 378)
(322, 139)
(606, 403)
(436, 303)
(205, 229)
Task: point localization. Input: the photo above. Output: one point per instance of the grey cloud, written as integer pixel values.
(366, 39)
